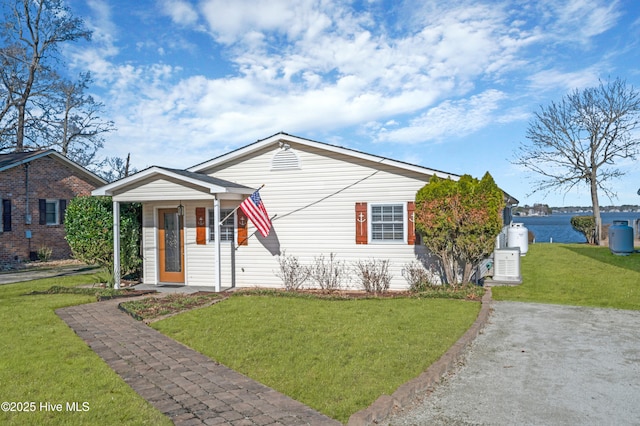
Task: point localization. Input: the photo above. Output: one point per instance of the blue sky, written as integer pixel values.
(448, 85)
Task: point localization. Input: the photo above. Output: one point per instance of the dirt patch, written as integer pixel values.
(165, 305)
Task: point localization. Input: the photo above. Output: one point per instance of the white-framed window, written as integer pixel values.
(227, 229)
(387, 222)
(52, 212)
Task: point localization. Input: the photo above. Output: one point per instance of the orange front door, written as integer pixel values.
(170, 246)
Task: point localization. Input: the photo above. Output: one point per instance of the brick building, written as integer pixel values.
(35, 188)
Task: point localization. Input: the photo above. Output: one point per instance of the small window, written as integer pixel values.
(52, 212)
(227, 228)
(387, 222)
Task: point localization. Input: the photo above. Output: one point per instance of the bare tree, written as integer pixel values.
(31, 34)
(114, 168)
(578, 140)
(77, 127)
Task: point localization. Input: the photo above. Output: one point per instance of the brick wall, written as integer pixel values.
(48, 179)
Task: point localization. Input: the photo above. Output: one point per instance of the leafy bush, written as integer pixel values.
(459, 221)
(586, 225)
(374, 275)
(89, 228)
(291, 272)
(328, 273)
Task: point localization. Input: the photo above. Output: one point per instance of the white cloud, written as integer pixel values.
(450, 118)
(555, 79)
(229, 21)
(181, 12)
(317, 66)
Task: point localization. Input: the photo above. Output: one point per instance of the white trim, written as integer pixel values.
(216, 220)
(405, 235)
(122, 184)
(57, 205)
(286, 138)
(116, 244)
(208, 219)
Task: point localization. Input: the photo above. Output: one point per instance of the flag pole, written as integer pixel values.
(234, 210)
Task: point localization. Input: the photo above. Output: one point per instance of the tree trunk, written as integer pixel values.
(596, 211)
(20, 129)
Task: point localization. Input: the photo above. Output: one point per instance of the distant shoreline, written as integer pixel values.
(581, 211)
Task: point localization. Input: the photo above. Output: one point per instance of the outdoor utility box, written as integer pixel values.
(518, 236)
(506, 265)
(621, 238)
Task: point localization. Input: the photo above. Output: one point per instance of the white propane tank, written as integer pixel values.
(518, 236)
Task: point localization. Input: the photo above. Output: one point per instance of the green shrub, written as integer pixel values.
(89, 228)
(586, 225)
(459, 221)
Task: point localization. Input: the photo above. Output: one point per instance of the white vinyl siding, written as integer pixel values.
(314, 214)
(314, 208)
(162, 189)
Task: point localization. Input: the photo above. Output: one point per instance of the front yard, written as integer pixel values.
(43, 361)
(337, 356)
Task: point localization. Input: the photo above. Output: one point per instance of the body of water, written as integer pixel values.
(557, 227)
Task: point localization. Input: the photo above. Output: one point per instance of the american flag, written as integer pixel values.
(253, 207)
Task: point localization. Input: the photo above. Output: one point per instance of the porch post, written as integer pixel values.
(116, 244)
(216, 234)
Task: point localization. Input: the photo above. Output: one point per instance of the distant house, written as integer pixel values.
(35, 188)
(323, 199)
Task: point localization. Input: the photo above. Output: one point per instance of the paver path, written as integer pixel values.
(183, 384)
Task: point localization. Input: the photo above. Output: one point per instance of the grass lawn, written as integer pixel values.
(337, 356)
(576, 274)
(43, 361)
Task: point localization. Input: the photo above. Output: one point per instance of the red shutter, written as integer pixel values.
(243, 239)
(361, 223)
(201, 225)
(411, 224)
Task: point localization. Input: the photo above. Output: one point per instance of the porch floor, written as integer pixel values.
(185, 385)
(177, 288)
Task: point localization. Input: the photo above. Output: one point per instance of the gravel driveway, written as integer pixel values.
(542, 364)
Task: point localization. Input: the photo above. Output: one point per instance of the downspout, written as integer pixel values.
(27, 214)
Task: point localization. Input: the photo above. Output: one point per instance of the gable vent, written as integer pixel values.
(285, 159)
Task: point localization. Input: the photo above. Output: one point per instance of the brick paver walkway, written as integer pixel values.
(183, 384)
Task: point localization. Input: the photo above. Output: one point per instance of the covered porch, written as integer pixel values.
(189, 225)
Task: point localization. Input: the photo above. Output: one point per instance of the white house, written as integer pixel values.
(322, 199)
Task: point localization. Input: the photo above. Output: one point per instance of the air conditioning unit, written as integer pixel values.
(506, 265)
